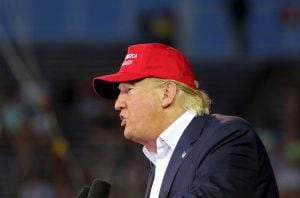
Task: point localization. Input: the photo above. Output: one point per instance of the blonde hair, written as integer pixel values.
(190, 99)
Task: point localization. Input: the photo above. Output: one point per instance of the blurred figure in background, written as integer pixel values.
(239, 12)
(158, 26)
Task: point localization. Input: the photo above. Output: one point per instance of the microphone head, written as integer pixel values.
(84, 192)
(99, 189)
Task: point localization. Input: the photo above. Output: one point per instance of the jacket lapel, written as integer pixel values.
(150, 180)
(184, 146)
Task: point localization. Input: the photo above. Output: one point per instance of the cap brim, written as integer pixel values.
(107, 86)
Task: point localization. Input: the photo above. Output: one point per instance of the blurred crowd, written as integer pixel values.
(274, 109)
(52, 147)
(36, 163)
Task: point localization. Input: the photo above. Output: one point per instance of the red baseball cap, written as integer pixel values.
(144, 61)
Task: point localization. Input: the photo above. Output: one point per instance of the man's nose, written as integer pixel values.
(120, 102)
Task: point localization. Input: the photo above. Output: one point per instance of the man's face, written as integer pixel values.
(140, 109)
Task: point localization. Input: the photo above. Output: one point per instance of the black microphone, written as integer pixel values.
(84, 192)
(99, 189)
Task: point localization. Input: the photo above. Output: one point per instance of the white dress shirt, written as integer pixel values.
(166, 144)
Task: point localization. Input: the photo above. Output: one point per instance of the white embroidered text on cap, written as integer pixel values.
(128, 59)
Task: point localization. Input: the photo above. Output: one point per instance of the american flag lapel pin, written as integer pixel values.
(183, 154)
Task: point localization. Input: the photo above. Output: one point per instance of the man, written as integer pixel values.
(194, 153)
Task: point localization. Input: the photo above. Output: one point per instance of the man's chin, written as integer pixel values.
(127, 135)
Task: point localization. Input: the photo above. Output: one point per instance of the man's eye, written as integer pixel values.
(128, 89)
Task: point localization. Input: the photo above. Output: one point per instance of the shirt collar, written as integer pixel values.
(168, 139)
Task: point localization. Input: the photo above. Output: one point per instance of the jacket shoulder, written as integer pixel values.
(226, 118)
(222, 120)
(224, 125)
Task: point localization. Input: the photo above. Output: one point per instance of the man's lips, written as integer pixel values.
(123, 120)
(123, 123)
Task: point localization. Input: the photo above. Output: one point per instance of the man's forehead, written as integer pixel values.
(129, 83)
(143, 81)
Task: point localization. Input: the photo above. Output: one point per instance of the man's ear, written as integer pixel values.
(169, 93)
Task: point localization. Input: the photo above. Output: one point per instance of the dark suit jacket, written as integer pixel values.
(218, 156)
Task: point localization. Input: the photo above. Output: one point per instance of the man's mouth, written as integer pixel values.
(123, 123)
(123, 120)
